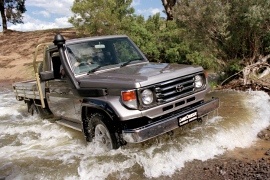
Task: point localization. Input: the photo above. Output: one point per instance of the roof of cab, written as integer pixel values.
(78, 40)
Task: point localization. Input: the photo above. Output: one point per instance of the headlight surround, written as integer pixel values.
(147, 96)
(199, 81)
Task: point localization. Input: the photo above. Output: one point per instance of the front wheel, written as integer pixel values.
(101, 133)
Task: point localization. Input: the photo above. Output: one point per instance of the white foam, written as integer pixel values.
(8, 111)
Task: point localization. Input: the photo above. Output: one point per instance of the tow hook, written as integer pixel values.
(199, 120)
(170, 133)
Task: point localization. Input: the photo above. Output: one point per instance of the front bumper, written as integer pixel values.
(168, 124)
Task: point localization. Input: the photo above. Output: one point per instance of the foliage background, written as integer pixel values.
(216, 34)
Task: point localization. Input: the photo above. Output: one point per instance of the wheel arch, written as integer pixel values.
(90, 107)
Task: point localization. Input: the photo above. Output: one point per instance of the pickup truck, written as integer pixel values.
(106, 88)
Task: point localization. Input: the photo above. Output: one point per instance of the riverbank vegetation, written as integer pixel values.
(231, 37)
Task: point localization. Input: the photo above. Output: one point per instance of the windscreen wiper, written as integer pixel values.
(94, 69)
(129, 61)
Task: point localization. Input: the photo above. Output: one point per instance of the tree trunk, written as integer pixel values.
(168, 5)
(4, 20)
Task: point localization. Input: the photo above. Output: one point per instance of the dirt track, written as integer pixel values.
(17, 51)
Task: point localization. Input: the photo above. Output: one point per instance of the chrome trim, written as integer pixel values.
(165, 125)
(177, 88)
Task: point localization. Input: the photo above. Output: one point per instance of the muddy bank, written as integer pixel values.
(8, 83)
(17, 51)
(227, 168)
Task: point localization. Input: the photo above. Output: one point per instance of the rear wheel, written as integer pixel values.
(99, 132)
(32, 109)
(42, 112)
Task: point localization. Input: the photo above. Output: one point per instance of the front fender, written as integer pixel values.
(91, 106)
(98, 105)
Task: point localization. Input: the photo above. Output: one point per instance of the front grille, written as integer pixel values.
(174, 89)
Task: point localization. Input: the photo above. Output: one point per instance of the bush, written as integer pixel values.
(206, 61)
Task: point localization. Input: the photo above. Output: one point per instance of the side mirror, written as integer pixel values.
(46, 75)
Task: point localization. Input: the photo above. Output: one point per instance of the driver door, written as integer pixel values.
(60, 96)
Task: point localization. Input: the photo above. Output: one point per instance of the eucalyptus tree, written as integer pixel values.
(160, 40)
(237, 32)
(168, 7)
(100, 17)
(12, 11)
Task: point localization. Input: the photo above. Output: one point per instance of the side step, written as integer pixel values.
(70, 124)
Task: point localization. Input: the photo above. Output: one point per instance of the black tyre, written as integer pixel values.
(32, 109)
(99, 132)
(42, 112)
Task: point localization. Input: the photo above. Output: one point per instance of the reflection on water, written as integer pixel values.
(31, 148)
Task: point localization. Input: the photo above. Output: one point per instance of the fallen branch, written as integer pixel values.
(246, 71)
(230, 77)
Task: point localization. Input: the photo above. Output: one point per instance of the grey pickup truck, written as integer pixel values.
(106, 88)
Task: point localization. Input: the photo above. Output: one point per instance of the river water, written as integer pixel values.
(32, 148)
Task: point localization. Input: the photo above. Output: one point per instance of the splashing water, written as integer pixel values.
(32, 148)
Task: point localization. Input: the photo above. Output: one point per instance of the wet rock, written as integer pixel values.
(267, 153)
(260, 135)
(264, 134)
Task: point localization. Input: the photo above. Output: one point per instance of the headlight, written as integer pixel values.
(199, 81)
(147, 96)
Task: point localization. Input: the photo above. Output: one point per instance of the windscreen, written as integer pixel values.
(89, 56)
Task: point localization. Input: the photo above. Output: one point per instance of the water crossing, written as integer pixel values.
(32, 148)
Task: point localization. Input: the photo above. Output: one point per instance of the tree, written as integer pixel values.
(100, 17)
(168, 5)
(236, 32)
(11, 11)
(160, 40)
